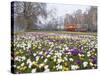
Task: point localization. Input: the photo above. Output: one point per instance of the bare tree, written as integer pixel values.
(27, 13)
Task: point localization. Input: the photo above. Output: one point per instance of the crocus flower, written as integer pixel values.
(85, 63)
(94, 60)
(74, 67)
(79, 62)
(74, 52)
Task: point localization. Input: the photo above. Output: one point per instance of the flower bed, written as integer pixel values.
(52, 51)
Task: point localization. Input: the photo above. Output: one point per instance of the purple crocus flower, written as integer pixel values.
(80, 47)
(74, 51)
(30, 51)
(94, 60)
(79, 62)
(50, 40)
(57, 48)
(65, 51)
(91, 48)
(44, 49)
(56, 40)
(40, 55)
(81, 51)
(62, 41)
(35, 57)
(48, 52)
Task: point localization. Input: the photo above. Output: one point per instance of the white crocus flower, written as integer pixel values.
(88, 54)
(16, 58)
(18, 45)
(54, 59)
(45, 60)
(65, 59)
(28, 61)
(41, 65)
(41, 52)
(74, 67)
(30, 64)
(57, 66)
(69, 53)
(29, 45)
(79, 55)
(91, 63)
(24, 48)
(66, 48)
(48, 55)
(47, 70)
(23, 57)
(22, 64)
(96, 46)
(14, 66)
(60, 67)
(18, 67)
(59, 60)
(82, 55)
(46, 66)
(54, 56)
(59, 47)
(85, 64)
(33, 70)
(34, 54)
(71, 59)
(56, 53)
(51, 45)
(34, 62)
(37, 58)
(65, 45)
(39, 47)
(60, 54)
(63, 49)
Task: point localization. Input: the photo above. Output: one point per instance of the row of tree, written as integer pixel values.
(87, 19)
(29, 16)
(26, 14)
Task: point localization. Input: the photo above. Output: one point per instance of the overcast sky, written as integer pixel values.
(62, 9)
